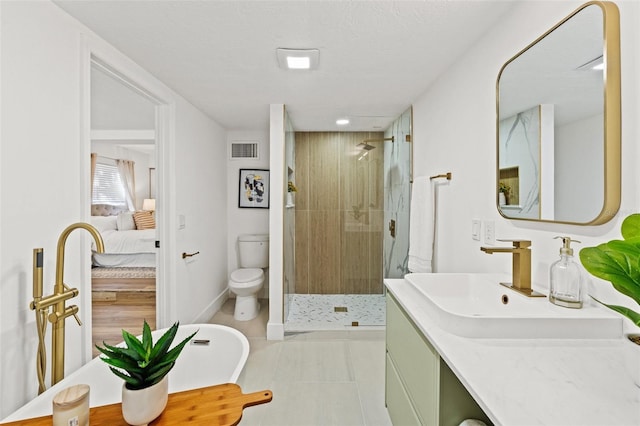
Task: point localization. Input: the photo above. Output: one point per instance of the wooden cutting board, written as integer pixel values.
(213, 405)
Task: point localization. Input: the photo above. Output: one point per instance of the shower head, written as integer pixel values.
(365, 146)
(364, 143)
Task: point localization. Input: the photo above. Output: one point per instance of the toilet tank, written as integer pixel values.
(254, 250)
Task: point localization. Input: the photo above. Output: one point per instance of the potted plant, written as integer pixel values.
(144, 367)
(503, 193)
(291, 189)
(618, 261)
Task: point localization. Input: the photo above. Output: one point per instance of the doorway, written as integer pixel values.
(123, 187)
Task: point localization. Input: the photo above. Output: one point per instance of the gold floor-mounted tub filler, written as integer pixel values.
(59, 311)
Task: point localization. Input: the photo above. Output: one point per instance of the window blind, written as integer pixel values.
(107, 186)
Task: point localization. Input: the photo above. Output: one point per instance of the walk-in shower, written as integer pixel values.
(337, 226)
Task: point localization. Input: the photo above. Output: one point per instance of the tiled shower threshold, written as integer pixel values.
(314, 312)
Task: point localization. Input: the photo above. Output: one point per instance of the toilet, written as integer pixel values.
(248, 280)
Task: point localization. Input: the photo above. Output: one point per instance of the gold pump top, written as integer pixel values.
(566, 245)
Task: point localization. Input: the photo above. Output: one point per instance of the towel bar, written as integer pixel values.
(443, 175)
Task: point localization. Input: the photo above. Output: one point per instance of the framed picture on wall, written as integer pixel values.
(253, 189)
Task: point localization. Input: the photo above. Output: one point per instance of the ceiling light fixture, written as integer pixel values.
(298, 59)
(342, 121)
(298, 63)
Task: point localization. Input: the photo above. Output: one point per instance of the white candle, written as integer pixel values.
(71, 406)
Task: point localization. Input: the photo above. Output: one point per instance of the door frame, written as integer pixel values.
(96, 51)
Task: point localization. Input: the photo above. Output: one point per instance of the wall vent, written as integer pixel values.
(244, 150)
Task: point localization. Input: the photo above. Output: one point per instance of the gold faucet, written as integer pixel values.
(521, 269)
(56, 301)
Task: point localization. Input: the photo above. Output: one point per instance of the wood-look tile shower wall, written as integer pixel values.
(339, 213)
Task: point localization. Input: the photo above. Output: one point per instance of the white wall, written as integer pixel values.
(581, 143)
(245, 221)
(200, 187)
(40, 177)
(40, 180)
(277, 134)
(454, 127)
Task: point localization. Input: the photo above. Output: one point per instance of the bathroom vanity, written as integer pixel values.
(438, 377)
(420, 388)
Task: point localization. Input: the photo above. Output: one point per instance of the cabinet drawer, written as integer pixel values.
(416, 362)
(398, 404)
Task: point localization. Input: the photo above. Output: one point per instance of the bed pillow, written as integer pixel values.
(125, 221)
(144, 220)
(105, 223)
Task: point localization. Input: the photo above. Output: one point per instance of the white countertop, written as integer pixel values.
(535, 381)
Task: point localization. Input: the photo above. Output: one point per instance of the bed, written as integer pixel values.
(128, 242)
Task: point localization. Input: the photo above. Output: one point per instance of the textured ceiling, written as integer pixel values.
(376, 57)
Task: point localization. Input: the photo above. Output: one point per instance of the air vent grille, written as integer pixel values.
(244, 150)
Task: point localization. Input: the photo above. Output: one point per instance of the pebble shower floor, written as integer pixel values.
(308, 312)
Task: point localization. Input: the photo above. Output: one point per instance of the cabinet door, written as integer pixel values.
(398, 404)
(416, 362)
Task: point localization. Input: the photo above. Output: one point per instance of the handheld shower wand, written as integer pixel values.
(41, 317)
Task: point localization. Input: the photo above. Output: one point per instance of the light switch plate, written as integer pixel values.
(489, 232)
(476, 226)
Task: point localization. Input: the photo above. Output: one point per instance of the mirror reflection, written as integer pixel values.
(558, 133)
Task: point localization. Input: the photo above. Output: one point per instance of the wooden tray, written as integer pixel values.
(213, 405)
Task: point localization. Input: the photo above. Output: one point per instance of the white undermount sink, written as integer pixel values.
(476, 305)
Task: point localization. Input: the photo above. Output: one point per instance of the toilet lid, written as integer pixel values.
(245, 275)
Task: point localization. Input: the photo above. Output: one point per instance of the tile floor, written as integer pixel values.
(317, 378)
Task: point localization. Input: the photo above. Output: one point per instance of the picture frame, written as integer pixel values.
(253, 189)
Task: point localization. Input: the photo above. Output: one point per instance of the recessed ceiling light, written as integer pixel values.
(298, 59)
(342, 121)
(298, 62)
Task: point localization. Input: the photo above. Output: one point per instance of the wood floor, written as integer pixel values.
(121, 304)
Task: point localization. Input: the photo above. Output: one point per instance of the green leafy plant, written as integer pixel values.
(142, 364)
(504, 188)
(618, 261)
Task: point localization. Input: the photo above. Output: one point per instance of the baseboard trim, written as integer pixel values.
(213, 307)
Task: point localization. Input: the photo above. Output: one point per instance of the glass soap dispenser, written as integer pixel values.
(565, 278)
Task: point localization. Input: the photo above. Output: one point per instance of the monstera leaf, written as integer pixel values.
(618, 262)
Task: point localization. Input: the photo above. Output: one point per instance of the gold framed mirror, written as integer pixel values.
(558, 122)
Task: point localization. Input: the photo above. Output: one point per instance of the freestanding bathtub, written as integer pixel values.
(221, 361)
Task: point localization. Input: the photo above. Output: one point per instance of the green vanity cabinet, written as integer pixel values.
(420, 388)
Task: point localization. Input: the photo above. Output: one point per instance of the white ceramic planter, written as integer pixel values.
(139, 407)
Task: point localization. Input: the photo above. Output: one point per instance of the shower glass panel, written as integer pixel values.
(397, 196)
(289, 216)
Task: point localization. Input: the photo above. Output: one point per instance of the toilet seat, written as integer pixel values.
(245, 275)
